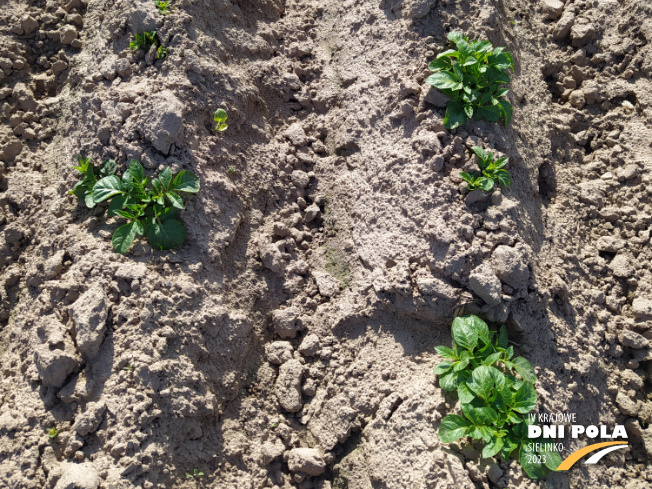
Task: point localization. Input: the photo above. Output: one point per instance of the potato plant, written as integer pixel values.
(145, 41)
(496, 392)
(151, 207)
(473, 75)
(492, 171)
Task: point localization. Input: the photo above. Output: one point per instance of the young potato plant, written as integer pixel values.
(150, 208)
(146, 40)
(220, 120)
(473, 76)
(492, 172)
(162, 6)
(84, 188)
(495, 390)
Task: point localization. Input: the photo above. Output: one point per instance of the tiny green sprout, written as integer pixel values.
(512, 22)
(161, 52)
(220, 118)
(195, 473)
(53, 432)
(128, 368)
(493, 172)
(274, 426)
(162, 6)
(230, 170)
(146, 40)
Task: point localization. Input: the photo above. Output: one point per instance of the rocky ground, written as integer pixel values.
(288, 343)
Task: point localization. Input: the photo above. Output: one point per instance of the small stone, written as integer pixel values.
(300, 178)
(29, 134)
(279, 352)
(280, 229)
(310, 345)
(288, 386)
(78, 476)
(271, 451)
(89, 314)
(642, 308)
(296, 135)
(68, 34)
(564, 25)
(307, 460)
(494, 473)
(576, 99)
(123, 67)
(29, 24)
(328, 285)
(626, 405)
(90, 420)
(484, 282)
(59, 66)
(621, 266)
(634, 340)
(552, 9)
(54, 365)
(510, 266)
(286, 322)
(582, 34)
(161, 121)
(311, 213)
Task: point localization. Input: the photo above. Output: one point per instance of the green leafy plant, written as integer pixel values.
(473, 76)
(150, 208)
(146, 40)
(496, 392)
(492, 171)
(53, 432)
(220, 119)
(195, 473)
(162, 6)
(128, 368)
(84, 187)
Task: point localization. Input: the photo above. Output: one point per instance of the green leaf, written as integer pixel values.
(485, 184)
(452, 428)
(123, 237)
(455, 115)
(480, 153)
(509, 445)
(440, 64)
(443, 367)
(500, 162)
(492, 448)
(525, 399)
(220, 116)
(468, 110)
(106, 188)
(455, 37)
(530, 461)
(166, 177)
(552, 457)
(467, 177)
(166, 235)
(481, 382)
(489, 112)
(465, 332)
(464, 394)
(491, 359)
(185, 181)
(175, 199)
(136, 171)
(117, 203)
(525, 369)
(452, 380)
(108, 168)
(156, 183)
(482, 47)
(484, 415)
(507, 110)
(88, 200)
(446, 352)
(503, 339)
(443, 79)
(125, 214)
(503, 177)
(449, 53)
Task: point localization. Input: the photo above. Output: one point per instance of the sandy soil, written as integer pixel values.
(289, 342)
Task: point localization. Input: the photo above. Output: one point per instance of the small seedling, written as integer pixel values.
(195, 473)
(493, 172)
(162, 6)
(496, 393)
(150, 209)
(230, 170)
(83, 188)
(128, 368)
(146, 40)
(220, 119)
(53, 433)
(274, 426)
(472, 76)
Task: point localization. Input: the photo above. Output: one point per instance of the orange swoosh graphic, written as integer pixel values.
(575, 456)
